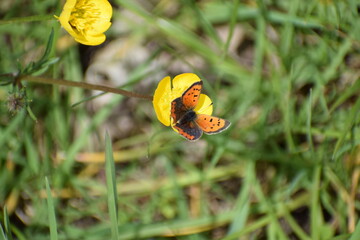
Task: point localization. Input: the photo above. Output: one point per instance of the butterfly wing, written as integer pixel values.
(187, 101)
(177, 109)
(189, 130)
(191, 96)
(210, 124)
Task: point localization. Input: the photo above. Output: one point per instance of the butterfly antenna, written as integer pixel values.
(171, 84)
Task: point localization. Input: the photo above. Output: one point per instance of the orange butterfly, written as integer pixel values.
(189, 124)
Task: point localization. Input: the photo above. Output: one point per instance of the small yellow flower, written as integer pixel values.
(86, 20)
(168, 90)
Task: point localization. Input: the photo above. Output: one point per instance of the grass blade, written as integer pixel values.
(308, 124)
(32, 154)
(356, 233)
(350, 121)
(51, 212)
(111, 187)
(2, 234)
(7, 225)
(15, 124)
(316, 219)
(242, 208)
(48, 46)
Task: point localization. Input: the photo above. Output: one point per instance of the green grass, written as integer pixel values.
(51, 211)
(285, 73)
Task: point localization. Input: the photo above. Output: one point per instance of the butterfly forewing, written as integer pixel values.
(210, 124)
(189, 131)
(191, 96)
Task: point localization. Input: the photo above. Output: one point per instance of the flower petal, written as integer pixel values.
(91, 40)
(65, 16)
(204, 105)
(105, 8)
(162, 106)
(103, 22)
(99, 27)
(68, 7)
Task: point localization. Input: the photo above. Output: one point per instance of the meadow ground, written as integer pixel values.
(79, 164)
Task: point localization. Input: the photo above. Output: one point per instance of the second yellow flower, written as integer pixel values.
(86, 20)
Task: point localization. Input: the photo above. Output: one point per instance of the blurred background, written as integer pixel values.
(285, 73)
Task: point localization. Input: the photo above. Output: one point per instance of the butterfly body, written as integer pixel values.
(187, 122)
(189, 116)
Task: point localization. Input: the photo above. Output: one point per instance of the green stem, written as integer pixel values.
(27, 19)
(82, 85)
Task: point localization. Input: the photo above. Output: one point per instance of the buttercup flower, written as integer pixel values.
(86, 20)
(168, 90)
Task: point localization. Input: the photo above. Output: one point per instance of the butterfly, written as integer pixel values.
(188, 123)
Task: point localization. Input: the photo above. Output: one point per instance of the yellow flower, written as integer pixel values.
(86, 20)
(168, 90)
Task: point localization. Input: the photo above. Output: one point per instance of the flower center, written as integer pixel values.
(84, 15)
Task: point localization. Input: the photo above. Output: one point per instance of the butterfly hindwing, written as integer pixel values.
(189, 130)
(191, 96)
(210, 124)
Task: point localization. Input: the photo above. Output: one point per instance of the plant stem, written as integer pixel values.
(82, 85)
(27, 19)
